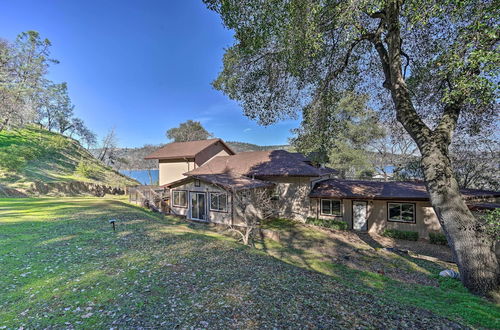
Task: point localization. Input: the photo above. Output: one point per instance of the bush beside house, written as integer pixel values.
(331, 224)
(401, 234)
(438, 238)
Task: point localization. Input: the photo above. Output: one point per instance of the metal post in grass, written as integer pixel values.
(112, 222)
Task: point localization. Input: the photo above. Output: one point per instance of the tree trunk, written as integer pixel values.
(472, 248)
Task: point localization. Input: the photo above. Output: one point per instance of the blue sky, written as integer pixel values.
(139, 66)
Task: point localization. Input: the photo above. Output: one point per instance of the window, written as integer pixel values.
(218, 202)
(401, 212)
(179, 198)
(331, 207)
(196, 183)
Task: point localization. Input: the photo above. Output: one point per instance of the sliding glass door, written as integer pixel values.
(198, 206)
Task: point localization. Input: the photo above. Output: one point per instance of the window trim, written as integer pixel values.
(186, 199)
(330, 214)
(226, 210)
(414, 221)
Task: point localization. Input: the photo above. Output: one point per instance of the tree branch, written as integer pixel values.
(394, 78)
(332, 74)
(448, 122)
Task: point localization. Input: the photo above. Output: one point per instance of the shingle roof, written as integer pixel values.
(226, 180)
(336, 188)
(188, 149)
(259, 163)
(484, 206)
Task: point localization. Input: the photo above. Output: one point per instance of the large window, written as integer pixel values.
(331, 207)
(401, 212)
(218, 202)
(179, 198)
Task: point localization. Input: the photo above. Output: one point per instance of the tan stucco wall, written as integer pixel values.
(171, 170)
(345, 206)
(294, 202)
(210, 152)
(213, 216)
(425, 219)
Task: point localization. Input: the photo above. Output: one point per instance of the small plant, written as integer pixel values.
(401, 234)
(491, 219)
(332, 224)
(88, 170)
(438, 238)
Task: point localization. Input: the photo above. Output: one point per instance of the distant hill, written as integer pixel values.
(244, 147)
(34, 161)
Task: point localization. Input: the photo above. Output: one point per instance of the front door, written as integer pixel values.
(359, 221)
(198, 206)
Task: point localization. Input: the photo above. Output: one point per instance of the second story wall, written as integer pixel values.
(210, 152)
(172, 169)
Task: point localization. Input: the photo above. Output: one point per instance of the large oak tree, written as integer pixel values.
(434, 64)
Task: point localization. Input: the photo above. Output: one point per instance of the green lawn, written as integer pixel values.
(62, 266)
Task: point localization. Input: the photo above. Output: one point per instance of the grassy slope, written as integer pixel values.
(307, 247)
(32, 154)
(61, 265)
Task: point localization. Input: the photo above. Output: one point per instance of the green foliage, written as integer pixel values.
(88, 169)
(491, 220)
(332, 224)
(337, 131)
(289, 54)
(438, 238)
(401, 234)
(188, 131)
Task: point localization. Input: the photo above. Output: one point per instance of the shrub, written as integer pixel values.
(438, 238)
(88, 170)
(332, 224)
(401, 234)
(491, 219)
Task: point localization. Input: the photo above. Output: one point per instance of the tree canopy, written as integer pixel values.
(188, 131)
(28, 96)
(337, 132)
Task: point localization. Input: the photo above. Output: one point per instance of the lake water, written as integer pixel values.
(142, 176)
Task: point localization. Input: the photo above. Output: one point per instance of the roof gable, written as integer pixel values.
(189, 149)
(226, 180)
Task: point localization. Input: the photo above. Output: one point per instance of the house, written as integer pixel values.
(209, 188)
(289, 175)
(375, 206)
(176, 158)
